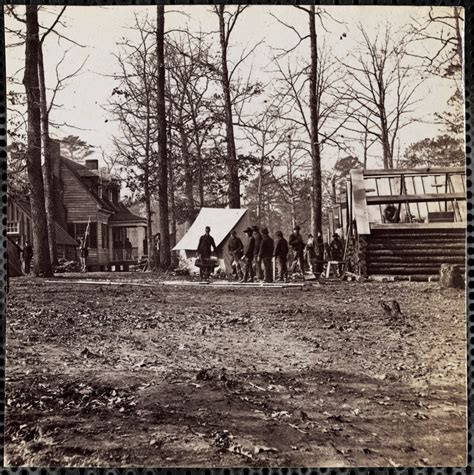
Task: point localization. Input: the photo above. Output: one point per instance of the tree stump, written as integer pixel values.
(451, 276)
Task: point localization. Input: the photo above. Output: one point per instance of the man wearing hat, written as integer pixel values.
(249, 251)
(236, 249)
(257, 263)
(281, 256)
(297, 248)
(204, 250)
(265, 255)
(337, 251)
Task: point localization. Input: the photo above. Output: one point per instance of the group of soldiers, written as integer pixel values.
(253, 259)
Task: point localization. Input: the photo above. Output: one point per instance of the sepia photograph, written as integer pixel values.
(236, 236)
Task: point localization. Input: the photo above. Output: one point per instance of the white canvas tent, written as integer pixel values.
(221, 221)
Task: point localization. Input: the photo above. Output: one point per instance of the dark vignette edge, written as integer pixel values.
(469, 97)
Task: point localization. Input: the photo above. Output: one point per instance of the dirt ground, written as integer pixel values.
(199, 376)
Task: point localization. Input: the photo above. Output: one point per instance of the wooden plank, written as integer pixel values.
(413, 171)
(413, 226)
(437, 197)
(99, 282)
(359, 200)
(224, 285)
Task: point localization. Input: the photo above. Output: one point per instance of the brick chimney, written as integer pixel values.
(92, 164)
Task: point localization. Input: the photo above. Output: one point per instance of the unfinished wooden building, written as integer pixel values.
(403, 222)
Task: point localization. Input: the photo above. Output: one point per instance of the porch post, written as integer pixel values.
(111, 244)
(140, 237)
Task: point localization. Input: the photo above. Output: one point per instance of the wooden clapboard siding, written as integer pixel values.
(80, 204)
(103, 254)
(93, 258)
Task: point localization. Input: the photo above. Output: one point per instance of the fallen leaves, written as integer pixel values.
(283, 363)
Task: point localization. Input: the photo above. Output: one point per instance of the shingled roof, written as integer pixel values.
(62, 236)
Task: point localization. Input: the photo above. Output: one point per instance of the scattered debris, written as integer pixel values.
(234, 364)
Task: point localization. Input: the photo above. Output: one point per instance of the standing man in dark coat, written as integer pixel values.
(265, 255)
(236, 250)
(297, 247)
(249, 251)
(27, 256)
(257, 263)
(281, 256)
(205, 247)
(128, 249)
(337, 251)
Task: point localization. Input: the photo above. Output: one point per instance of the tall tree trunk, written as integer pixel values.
(42, 261)
(334, 189)
(200, 176)
(173, 224)
(386, 149)
(47, 163)
(165, 248)
(151, 249)
(152, 258)
(316, 185)
(232, 166)
(198, 159)
(260, 191)
(188, 175)
(366, 145)
(293, 208)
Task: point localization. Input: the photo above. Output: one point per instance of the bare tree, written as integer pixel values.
(312, 98)
(42, 262)
(45, 109)
(264, 135)
(76, 149)
(227, 20)
(192, 77)
(132, 106)
(382, 90)
(48, 178)
(165, 248)
(290, 167)
(437, 39)
(186, 87)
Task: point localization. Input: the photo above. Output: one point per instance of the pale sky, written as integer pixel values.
(99, 29)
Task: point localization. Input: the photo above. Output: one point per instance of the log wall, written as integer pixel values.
(414, 252)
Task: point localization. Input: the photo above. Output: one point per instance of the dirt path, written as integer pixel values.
(194, 376)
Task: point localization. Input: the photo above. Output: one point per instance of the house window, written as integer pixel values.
(78, 230)
(13, 227)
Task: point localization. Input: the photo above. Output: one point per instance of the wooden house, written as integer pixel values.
(19, 229)
(88, 197)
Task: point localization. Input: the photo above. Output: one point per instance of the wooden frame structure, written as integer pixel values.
(431, 206)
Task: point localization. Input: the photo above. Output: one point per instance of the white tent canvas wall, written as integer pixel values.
(221, 221)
